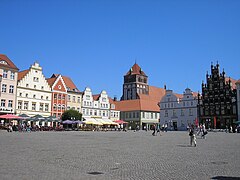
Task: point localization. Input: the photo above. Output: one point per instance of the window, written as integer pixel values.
(174, 113)
(104, 99)
(151, 115)
(59, 107)
(41, 107)
(95, 112)
(69, 98)
(35, 86)
(20, 94)
(190, 112)
(27, 95)
(63, 97)
(78, 100)
(46, 107)
(4, 88)
(55, 107)
(166, 113)
(68, 108)
(47, 98)
(42, 87)
(59, 96)
(27, 85)
(25, 105)
(74, 99)
(83, 111)
(35, 79)
(87, 97)
(63, 107)
(34, 96)
(12, 76)
(90, 112)
(11, 89)
(10, 103)
(143, 114)
(5, 74)
(34, 106)
(41, 97)
(55, 96)
(182, 112)
(19, 104)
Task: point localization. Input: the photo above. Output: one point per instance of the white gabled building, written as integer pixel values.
(95, 105)
(178, 111)
(98, 106)
(33, 92)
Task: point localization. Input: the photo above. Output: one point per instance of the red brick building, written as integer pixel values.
(59, 95)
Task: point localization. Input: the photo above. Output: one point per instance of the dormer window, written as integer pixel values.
(3, 62)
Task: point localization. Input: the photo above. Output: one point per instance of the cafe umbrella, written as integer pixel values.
(9, 117)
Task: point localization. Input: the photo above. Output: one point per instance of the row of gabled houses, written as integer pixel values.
(30, 92)
(141, 105)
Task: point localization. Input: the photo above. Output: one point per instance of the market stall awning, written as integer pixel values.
(10, 116)
(121, 122)
(91, 121)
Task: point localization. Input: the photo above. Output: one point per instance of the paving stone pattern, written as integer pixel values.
(117, 155)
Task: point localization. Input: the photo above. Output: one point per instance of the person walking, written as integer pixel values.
(192, 136)
(154, 130)
(204, 131)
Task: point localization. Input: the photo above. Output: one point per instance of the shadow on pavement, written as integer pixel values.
(184, 145)
(226, 178)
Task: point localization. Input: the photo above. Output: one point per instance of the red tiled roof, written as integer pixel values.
(22, 74)
(96, 97)
(135, 70)
(238, 82)
(145, 103)
(51, 81)
(233, 82)
(178, 95)
(69, 83)
(9, 64)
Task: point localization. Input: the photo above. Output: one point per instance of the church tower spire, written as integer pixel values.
(135, 83)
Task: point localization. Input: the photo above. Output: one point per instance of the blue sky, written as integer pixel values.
(95, 42)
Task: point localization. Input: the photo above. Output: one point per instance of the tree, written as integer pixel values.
(71, 115)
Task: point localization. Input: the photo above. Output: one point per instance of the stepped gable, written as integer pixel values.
(6, 62)
(135, 70)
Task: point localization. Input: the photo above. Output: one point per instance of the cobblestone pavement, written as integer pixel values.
(118, 155)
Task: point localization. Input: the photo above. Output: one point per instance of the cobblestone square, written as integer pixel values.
(118, 155)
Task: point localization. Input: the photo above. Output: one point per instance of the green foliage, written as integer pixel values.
(71, 115)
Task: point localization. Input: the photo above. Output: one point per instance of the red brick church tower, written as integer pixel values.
(135, 83)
